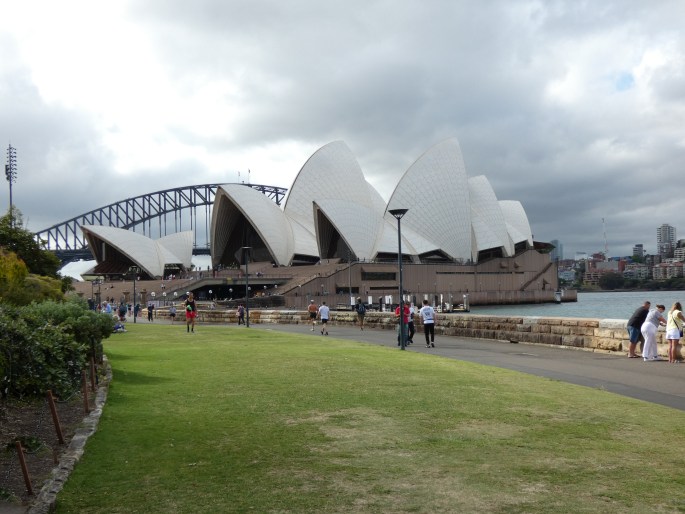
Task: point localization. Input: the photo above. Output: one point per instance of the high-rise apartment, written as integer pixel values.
(639, 250)
(665, 240)
(558, 252)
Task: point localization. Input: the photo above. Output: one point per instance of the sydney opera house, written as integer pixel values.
(335, 236)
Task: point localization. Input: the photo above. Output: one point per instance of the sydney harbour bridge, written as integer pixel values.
(153, 214)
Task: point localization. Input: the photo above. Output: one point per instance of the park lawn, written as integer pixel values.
(236, 420)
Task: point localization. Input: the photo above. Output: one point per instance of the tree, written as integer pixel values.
(12, 274)
(15, 238)
(611, 280)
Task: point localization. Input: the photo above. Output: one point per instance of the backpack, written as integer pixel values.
(361, 309)
(241, 310)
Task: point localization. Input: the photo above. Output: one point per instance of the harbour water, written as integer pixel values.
(589, 305)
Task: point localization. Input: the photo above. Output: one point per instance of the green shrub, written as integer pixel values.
(47, 345)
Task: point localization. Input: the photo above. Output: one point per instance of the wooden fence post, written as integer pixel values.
(55, 417)
(84, 390)
(24, 469)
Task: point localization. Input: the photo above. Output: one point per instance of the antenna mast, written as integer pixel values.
(606, 245)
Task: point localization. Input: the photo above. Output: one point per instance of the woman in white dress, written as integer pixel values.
(649, 329)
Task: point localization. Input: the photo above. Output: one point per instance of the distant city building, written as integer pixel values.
(637, 271)
(665, 240)
(569, 275)
(679, 254)
(639, 250)
(558, 252)
(606, 266)
(592, 276)
(667, 270)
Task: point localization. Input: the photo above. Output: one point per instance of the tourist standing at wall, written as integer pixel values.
(674, 330)
(649, 329)
(634, 325)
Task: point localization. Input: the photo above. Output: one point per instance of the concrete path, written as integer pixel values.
(656, 382)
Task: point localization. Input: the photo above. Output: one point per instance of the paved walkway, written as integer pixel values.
(657, 382)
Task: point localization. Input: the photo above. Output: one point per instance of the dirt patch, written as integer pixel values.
(32, 423)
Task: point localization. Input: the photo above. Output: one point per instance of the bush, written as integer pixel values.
(47, 345)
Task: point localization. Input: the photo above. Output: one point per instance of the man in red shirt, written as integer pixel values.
(405, 322)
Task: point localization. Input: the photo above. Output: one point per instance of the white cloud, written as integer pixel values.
(573, 108)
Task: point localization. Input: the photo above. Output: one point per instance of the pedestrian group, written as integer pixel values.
(644, 324)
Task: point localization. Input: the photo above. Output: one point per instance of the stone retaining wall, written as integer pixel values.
(589, 334)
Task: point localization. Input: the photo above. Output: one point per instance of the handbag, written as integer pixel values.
(679, 327)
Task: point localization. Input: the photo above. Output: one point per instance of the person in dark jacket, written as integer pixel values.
(634, 324)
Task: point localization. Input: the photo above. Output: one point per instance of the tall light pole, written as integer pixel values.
(11, 176)
(246, 258)
(134, 270)
(349, 277)
(397, 214)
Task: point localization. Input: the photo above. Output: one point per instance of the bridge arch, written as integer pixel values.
(154, 214)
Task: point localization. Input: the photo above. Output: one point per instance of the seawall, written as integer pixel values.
(608, 335)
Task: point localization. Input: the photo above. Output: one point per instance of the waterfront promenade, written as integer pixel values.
(656, 382)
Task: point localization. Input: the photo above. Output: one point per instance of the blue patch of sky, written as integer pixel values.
(624, 81)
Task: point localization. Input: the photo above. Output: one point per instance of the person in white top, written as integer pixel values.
(674, 328)
(427, 314)
(323, 314)
(649, 330)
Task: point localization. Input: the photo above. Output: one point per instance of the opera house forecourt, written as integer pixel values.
(334, 240)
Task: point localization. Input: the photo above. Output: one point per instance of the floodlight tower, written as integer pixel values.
(11, 175)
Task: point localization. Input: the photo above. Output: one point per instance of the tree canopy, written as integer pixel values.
(15, 238)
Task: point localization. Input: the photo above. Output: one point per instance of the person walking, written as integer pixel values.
(674, 330)
(361, 312)
(150, 310)
(404, 324)
(427, 314)
(313, 312)
(241, 314)
(172, 313)
(649, 329)
(634, 325)
(411, 327)
(324, 312)
(191, 313)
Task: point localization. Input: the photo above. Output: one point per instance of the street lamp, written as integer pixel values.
(134, 270)
(349, 276)
(246, 258)
(397, 214)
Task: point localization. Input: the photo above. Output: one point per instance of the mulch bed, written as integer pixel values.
(32, 423)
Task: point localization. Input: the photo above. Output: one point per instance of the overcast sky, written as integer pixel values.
(575, 108)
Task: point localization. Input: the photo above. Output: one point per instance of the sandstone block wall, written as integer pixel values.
(589, 334)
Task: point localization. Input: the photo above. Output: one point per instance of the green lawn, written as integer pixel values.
(236, 420)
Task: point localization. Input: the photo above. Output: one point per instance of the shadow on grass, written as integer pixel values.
(135, 378)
